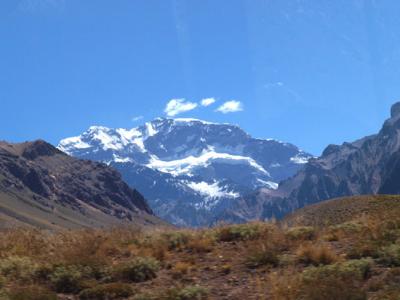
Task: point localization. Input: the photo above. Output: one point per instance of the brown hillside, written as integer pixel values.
(337, 211)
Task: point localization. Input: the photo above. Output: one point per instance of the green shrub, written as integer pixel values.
(331, 288)
(107, 292)
(176, 240)
(18, 268)
(359, 268)
(389, 231)
(356, 269)
(264, 256)
(385, 284)
(68, 279)
(139, 270)
(339, 281)
(240, 232)
(365, 248)
(301, 233)
(390, 255)
(187, 293)
(29, 293)
(146, 296)
(3, 295)
(348, 227)
(391, 293)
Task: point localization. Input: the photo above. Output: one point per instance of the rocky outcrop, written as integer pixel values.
(370, 165)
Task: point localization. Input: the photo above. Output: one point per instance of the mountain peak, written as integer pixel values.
(192, 120)
(30, 150)
(184, 160)
(38, 148)
(395, 110)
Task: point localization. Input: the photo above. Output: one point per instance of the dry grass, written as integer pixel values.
(316, 254)
(356, 259)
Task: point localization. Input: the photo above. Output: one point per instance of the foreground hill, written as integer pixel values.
(189, 170)
(356, 257)
(370, 165)
(43, 187)
(347, 209)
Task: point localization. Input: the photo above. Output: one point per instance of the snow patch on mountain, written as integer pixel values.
(270, 184)
(212, 193)
(106, 138)
(151, 131)
(120, 159)
(185, 121)
(72, 143)
(186, 165)
(300, 159)
(211, 190)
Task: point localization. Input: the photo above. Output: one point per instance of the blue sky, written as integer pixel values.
(306, 72)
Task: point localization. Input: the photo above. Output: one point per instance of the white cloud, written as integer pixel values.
(177, 106)
(207, 101)
(230, 106)
(137, 118)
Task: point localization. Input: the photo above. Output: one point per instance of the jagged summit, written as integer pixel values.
(395, 110)
(189, 168)
(370, 165)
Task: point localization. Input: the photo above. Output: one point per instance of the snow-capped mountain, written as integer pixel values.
(188, 169)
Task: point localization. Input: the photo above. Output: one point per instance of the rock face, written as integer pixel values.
(370, 165)
(42, 186)
(189, 170)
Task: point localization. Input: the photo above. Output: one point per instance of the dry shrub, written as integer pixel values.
(82, 248)
(264, 254)
(107, 291)
(386, 287)
(284, 284)
(29, 293)
(268, 249)
(342, 231)
(320, 254)
(226, 269)
(159, 253)
(177, 240)
(23, 242)
(363, 248)
(200, 244)
(185, 293)
(180, 270)
(275, 235)
(388, 280)
(92, 247)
